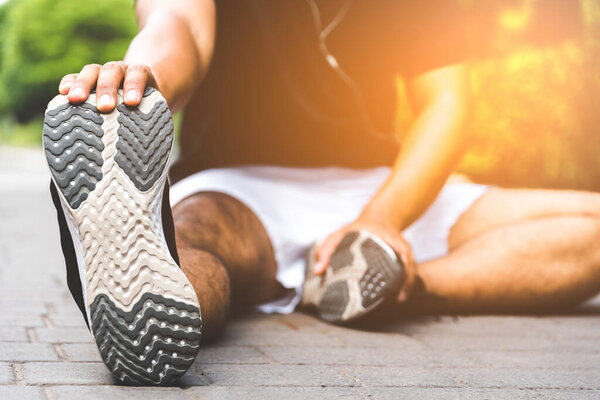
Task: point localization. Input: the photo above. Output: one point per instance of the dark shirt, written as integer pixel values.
(271, 98)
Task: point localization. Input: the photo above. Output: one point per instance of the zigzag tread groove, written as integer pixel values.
(141, 156)
(153, 343)
(72, 137)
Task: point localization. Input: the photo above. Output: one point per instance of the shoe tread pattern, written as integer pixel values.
(384, 275)
(334, 301)
(144, 144)
(152, 344)
(72, 137)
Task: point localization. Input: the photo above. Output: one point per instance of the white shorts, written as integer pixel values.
(299, 206)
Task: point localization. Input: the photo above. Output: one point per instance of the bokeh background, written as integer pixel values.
(535, 71)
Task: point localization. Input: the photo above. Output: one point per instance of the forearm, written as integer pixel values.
(176, 48)
(430, 150)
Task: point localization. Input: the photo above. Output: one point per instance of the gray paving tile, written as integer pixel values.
(376, 356)
(6, 374)
(275, 393)
(117, 392)
(402, 376)
(393, 393)
(276, 375)
(23, 319)
(529, 378)
(13, 334)
(14, 392)
(230, 355)
(81, 351)
(64, 335)
(27, 352)
(65, 373)
(69, 319)
(551, 359)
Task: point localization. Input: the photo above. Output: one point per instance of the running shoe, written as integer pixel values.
(364, 272)
(109, 186)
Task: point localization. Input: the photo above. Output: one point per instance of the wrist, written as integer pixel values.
(385, 208)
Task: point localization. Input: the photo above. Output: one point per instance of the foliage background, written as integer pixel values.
(535, 76)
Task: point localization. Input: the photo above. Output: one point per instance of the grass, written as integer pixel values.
(23, 135)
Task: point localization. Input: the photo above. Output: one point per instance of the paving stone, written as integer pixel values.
(68, 319)
(275, 393)
(117, 392)
(14, 392)
(6, 374)
(81, 351)
(27, 352)
(64, 335)
(528, 341)
(276, 375)
(267, 335)
(230, 355)
(24, 319)
(529, 378)
(369, 340)
(552, 359)
(13, 334)
(382, 356)
(393, 393)
(65, 373)
(402, 376)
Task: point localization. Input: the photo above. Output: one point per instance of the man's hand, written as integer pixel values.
(383, 230)
(107, 79)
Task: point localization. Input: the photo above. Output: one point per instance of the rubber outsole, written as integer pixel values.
(363, 273)
(142, 310)
(73, 145)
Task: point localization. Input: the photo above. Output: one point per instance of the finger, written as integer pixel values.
(402, 296)
(109, 79)
(136, 79)
(324, 253)
(66, 82)
(83, 84)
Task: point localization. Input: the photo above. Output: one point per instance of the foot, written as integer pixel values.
(363, 273)
(109, 183)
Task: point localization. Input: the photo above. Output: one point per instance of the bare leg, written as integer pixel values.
(517, 251)
(225, 253)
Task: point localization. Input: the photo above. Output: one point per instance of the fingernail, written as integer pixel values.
(131, 95)
(77, 92)
(105, 100)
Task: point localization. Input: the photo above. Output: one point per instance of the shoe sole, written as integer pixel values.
(110, 171)
(363, 273)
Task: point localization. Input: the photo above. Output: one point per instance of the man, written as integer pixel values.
(287, 140)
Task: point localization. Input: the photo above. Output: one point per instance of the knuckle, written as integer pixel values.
(90, 67)
(113, 65)
(138, 68)
(105, 87)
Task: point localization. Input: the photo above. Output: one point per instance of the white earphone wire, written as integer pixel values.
(332, 61)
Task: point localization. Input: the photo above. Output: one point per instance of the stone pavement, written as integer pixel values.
(46, 351)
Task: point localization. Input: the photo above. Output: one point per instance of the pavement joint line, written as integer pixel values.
(47, 321)
(60, 352)
(31, 335)
(347, 374)
(48, 393)
(264, 354)
(50, 307)
(19, 373)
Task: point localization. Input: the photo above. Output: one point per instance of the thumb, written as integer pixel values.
(323, 256)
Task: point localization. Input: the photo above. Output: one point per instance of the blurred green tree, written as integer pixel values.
(41, 40)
